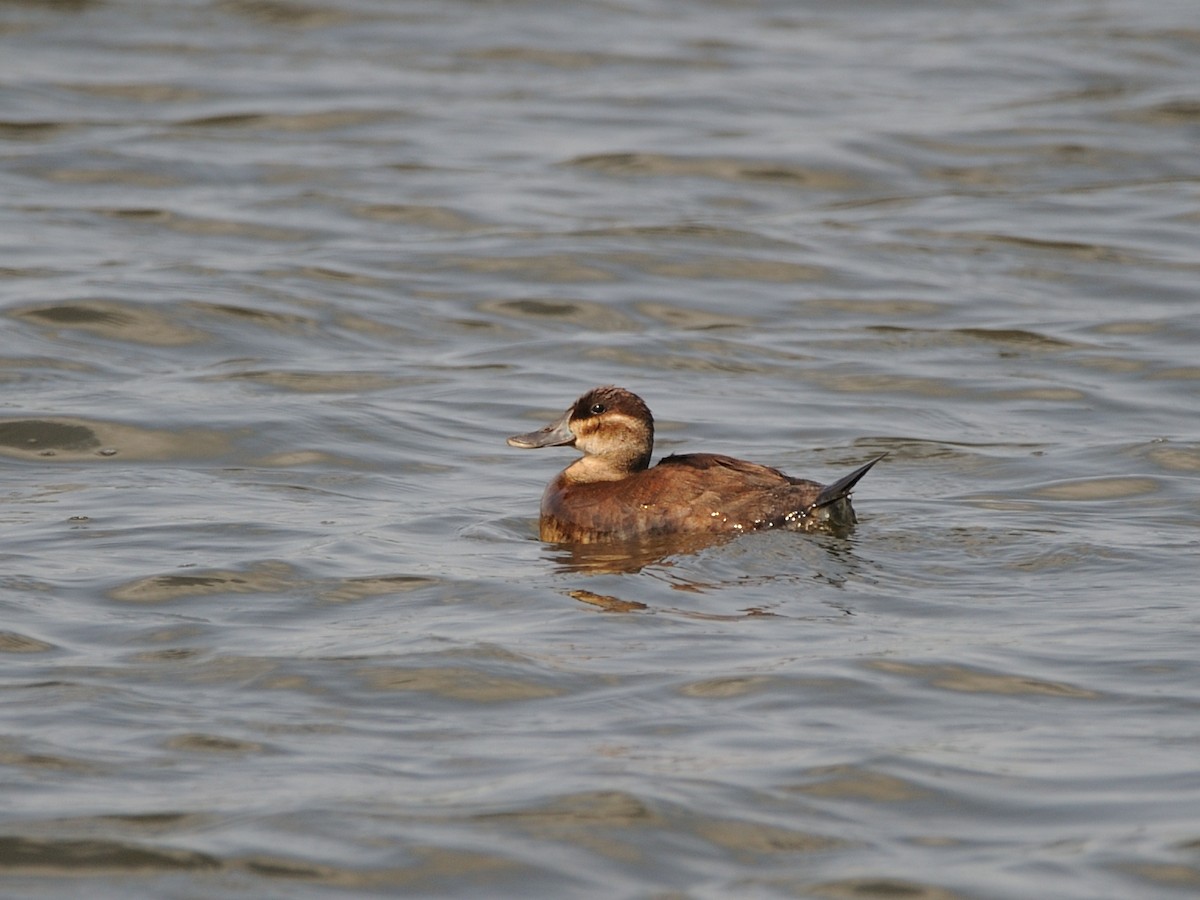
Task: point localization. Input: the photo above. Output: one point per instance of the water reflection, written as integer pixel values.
(756, 575)
(635, 554)
(73, 439)
(618, 556)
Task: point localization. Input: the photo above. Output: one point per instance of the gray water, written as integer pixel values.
(276, 280)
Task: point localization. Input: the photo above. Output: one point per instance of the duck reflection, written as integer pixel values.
(631, 555)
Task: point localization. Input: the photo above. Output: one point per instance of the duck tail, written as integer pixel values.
(841, 488)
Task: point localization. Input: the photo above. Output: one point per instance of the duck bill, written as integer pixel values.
(556, 434)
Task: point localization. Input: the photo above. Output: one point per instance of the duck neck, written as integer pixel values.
(604, 468)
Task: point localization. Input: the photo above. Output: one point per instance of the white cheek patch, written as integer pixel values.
(607, 432)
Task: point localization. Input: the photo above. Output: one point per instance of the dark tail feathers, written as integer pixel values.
(832, 493)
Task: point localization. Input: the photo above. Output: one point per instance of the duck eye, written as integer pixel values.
(597, 408)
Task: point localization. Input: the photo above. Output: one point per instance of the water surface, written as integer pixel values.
(277, 279)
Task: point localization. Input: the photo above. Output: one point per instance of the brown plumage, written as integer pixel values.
(612, 492)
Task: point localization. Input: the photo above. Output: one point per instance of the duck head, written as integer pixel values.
(610, 425)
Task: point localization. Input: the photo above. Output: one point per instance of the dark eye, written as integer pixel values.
(597, 408)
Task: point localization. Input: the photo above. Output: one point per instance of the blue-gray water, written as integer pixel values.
(276, 280)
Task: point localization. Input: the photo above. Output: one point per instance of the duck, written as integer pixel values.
(612, 493)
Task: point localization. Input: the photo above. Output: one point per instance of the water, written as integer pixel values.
(277, 279)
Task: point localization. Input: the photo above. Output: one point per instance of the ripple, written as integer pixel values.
(139, 92)
(1011, 339)
(263, 578)
(43, 436)
(298, 122)
(582, 313)
(1115, 488)
(720, 168)
(114, 320)
(1171, 112)
(855, 783)
(974, 681)
(23, 855)
(715, 266)
(607, 602)
(353, 589)
(45, 762)
(1176, 458)
(317, 382)
(691, 232)
(611, 808)
(208, 226)
(1019, 336)
(284, 13)
(688, 319)
(284, 323)
(1130, 328)
(881, 889)
(890, 383)
(155, 823)
(74, 439)
(723, 688)
(437, 218)
(31, 131)
(14, 642)
(759, 840)
(1043, 394)
(1177, 373)
(457, 683)
(560, 268)
(101, 176)
(1077, 249)
(567, 59)
(210, 743)
(1171, 875)
(836, 306)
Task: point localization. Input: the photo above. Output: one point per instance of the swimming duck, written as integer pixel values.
(613, 493)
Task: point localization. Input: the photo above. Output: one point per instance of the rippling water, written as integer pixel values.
(276, 280)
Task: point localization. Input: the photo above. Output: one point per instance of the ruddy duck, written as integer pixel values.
(613, 493)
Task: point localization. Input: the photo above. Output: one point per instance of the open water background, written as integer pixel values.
(276, 280)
